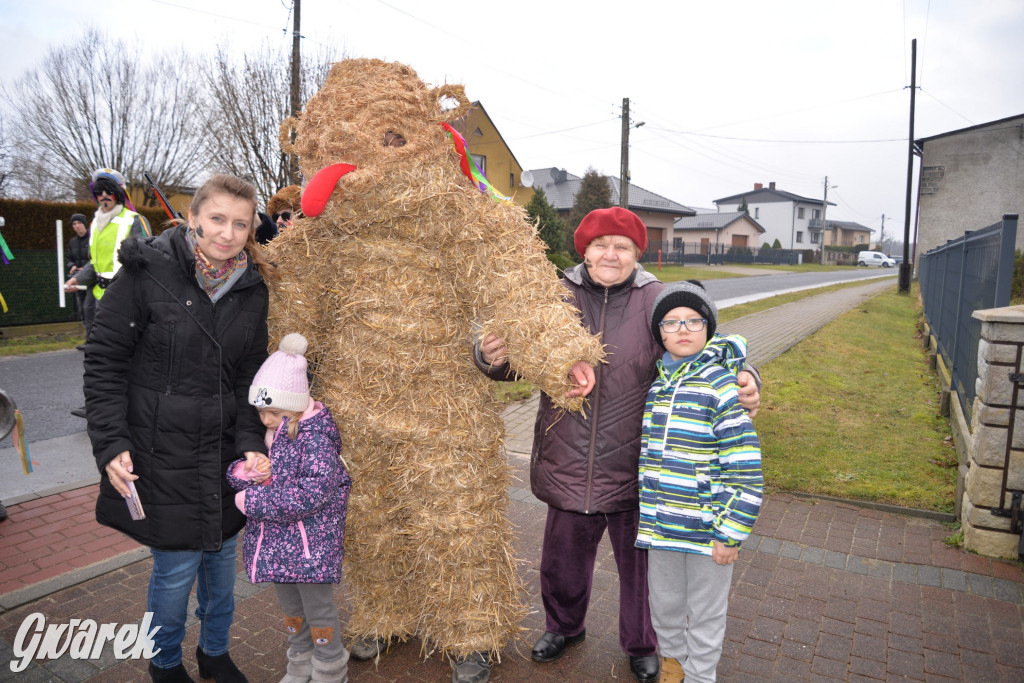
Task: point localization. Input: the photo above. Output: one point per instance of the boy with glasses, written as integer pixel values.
(700, 481)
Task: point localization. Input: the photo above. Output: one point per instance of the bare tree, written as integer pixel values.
(251, 101)
(93, 103)
(6, 161)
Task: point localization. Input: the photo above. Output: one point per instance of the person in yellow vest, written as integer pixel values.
(115, 221)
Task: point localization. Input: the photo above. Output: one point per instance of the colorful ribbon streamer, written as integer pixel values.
(469, 167)
(20, 444)
(5, 251)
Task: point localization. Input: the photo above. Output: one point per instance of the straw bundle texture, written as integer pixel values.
(390, 285)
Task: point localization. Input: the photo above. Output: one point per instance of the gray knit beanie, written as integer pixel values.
(690, 294)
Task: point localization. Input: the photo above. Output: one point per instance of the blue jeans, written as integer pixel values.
(174, 572)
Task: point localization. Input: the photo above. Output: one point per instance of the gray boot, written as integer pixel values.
(473, 668)
(300, 667)
(363, 649)
(330, 672)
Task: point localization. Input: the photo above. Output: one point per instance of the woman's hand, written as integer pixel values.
(254, 460)
(749, 396)
(723, 554)
(492, 348)
(71, 285)
(119, 470)
(581, 376)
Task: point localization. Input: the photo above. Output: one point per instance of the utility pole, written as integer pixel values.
(881, 235)
(905, 267)
(824, 210)
(293, 166)
(624, 157)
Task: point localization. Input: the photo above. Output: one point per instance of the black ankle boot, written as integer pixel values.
(175, 675)
(219, 668)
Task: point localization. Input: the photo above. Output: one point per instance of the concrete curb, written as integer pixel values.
(9, 601)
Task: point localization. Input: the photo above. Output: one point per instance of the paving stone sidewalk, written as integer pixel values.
(823, 591)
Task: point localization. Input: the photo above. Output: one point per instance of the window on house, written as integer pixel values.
(677, 243)
(814, 237)
(815, 213)
(512, 180)
(481, 162)
(757, 212)
(799, 235)
(800, 213)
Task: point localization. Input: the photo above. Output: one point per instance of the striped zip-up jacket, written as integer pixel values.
(700, 459)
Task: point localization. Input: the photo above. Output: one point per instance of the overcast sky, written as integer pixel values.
(730, 93)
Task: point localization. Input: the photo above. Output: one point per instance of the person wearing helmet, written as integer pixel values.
(115, 221)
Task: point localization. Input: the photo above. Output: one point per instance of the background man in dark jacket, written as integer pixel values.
(78, 258)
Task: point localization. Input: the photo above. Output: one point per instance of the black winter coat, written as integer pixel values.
(167, 377)
(78, 251)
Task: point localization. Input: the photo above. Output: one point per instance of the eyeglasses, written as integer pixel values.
(103, 191)
(692, 325)
(286, 215)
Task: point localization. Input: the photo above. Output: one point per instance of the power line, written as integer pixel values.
(788, 142)
(561, 130)
(215, 14)
(946, 105)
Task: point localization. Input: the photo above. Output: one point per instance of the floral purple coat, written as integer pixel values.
(295, 531)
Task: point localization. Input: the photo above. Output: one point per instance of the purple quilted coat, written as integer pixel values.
(295, 531)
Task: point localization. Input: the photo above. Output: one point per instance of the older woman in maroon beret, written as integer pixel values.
(585, 466)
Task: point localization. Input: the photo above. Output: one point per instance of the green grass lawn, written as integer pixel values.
(18, 346)
(853, 412)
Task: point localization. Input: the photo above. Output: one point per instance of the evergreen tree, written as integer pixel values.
(776, 244)
(594, 194)
(550, 227)
(743, 206)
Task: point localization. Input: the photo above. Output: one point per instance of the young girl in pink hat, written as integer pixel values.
(296, 504)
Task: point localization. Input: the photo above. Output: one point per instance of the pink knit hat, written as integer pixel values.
(281, 382)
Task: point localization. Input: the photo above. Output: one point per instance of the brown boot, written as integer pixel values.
(671, 671)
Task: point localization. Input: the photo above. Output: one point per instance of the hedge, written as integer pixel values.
(29, 283)
(31, 224)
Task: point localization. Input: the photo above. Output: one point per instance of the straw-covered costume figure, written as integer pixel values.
(400, 261)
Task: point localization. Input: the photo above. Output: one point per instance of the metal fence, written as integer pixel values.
(965, 275)
(717, 254)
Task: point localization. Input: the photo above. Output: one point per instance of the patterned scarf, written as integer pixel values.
(209, 278)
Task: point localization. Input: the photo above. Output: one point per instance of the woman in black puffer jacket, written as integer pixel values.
(177, 339)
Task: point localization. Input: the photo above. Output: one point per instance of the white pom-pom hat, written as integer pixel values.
(281, 383)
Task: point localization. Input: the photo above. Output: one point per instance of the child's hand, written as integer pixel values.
(723, 554)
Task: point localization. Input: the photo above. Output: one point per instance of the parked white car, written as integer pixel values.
(874, 258)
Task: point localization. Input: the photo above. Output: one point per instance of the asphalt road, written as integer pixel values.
(46, 386)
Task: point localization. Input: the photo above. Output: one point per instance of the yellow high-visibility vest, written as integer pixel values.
(103, 245)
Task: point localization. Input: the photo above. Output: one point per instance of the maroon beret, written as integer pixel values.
(613, 221)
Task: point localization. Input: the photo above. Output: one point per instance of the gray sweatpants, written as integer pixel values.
(689, 597)
(311, 619)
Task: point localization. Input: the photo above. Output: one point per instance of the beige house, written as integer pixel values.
(658, 213)
(729, 229)
(847, 234)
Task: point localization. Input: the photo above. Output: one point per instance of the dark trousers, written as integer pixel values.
(567, 575)
(85, 308)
